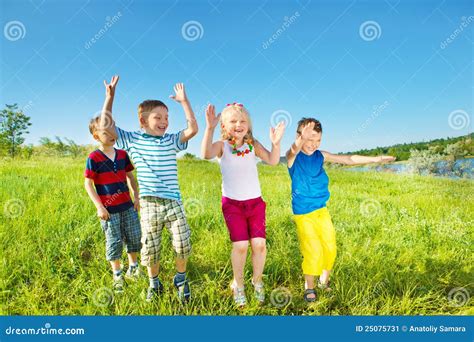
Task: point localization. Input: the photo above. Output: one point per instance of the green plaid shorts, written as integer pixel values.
(156, 213)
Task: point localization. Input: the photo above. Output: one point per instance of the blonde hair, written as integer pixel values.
(145, 108)
(227, 112)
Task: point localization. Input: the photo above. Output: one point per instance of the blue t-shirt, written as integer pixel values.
(309, 183)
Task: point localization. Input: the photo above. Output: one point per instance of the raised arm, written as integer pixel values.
(209, 149)
(106, 120)
(181, 97)
(271, 157)
(354, 159)
(296, 147)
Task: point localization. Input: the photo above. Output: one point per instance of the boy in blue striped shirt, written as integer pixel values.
(153, 152)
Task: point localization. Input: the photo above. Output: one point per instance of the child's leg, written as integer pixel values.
(132, 232)
(113, 241)
(115, 265)
(309, 284)
(181, 264)
(132, 258)
(259, 253)
(152, 216)
(328, 244)
(324, 277)
(238, 257)
(153, 270)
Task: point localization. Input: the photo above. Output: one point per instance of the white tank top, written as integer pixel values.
(239, 174)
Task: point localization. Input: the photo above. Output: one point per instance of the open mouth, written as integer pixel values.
(239, 131)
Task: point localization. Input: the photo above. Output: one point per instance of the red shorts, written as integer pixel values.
(245, 219)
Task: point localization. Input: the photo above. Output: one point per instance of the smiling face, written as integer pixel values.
(235, 123)
(155, 122)
(312, 144)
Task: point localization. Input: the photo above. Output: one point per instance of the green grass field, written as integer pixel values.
(404, 246)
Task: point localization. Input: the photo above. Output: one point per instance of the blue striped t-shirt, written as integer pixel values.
(154, 158)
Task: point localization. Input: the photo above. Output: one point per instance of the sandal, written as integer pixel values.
(239, 295)
(325, 287)
(184, 291)
(307, 292)
(259, 292)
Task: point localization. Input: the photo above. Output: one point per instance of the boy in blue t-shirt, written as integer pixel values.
(309, 188)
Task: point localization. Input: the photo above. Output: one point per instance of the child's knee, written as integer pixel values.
(240, 247)
(259, 246)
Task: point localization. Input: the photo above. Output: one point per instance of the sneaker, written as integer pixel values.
(183, 289)
(259, 291)
(118, 284)
(133, 272)
(153, 293)
(239, 294)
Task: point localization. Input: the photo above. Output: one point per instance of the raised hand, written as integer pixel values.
(180, 93)
(277, 133)
(307, 131)
(211, 119)
(110, 87)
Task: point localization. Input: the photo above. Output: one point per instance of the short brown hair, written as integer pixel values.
(304, 121)
(94, 125)
(146, 106)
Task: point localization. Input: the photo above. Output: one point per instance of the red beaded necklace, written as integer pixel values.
(243, 152)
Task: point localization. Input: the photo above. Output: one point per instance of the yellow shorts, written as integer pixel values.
(317, 239)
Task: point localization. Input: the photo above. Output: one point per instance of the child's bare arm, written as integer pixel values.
(181, 97)
(296, 147)
(354, 159)
(271, 157)
(132, 183)
(293, 151)
(106, 120)
(211, 150)
(101, 210)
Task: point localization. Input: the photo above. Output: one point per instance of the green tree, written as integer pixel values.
(13, 126)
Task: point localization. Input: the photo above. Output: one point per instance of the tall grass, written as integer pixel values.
(404, 246)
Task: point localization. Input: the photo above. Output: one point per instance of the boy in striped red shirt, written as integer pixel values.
(107, 172)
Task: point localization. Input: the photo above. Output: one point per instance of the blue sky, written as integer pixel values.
(373, 72)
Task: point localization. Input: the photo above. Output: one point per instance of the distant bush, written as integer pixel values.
(424, 161)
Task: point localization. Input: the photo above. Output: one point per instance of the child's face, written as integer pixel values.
(312, 144)
(236, 125)
(156, 122)
(105, 138)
